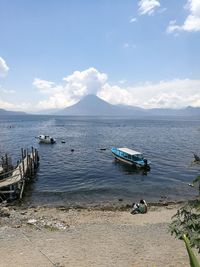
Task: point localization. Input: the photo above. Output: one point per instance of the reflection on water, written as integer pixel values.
(128, 169)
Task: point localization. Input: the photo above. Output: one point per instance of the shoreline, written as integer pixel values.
(56, 236)
(110, 206)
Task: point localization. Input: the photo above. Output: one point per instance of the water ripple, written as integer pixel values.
(90, 174)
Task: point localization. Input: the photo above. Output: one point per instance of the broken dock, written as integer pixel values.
(13, 179)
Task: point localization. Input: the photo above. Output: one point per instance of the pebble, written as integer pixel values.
(32, 221)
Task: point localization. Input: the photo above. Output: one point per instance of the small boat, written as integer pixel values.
(131, 157)
(46, 139)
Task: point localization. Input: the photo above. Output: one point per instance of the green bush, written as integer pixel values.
(187, 221)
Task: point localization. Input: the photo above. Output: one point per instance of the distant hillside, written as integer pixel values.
(8, 112)
(92, 105)
(188, 111)
(52, 111)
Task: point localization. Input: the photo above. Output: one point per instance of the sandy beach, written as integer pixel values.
(46, 236)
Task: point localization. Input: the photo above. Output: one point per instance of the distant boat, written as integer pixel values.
(46, 139)
(131, 157)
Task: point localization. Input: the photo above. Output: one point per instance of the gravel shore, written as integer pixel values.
(47, 236)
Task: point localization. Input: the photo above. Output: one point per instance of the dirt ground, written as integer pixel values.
(79, 238)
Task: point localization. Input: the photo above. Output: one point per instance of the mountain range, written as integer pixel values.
(91, 105)
(8, 112)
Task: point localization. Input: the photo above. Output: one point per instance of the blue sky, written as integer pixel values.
(140, 52)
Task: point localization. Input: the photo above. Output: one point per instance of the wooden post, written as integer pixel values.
(33, 156)
(10, 194)
(29, 167)
(6, 157)
(32, 168)
(36, 159)
(2, 160)
(23, 166)
(27, 161)
(22, 189)
(22, 153)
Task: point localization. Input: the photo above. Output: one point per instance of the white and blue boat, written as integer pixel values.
(131, 157)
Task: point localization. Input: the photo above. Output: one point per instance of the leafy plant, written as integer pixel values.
(187, 221)
(193, 260)
(186, 224)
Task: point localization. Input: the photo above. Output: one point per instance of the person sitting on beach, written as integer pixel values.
(139, 207)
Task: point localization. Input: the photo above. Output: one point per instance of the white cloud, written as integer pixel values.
(43, 84)
(5, 104)
(45, 87)
(81, 83)
(16, 107)
(165, 94)
(176, 93)
(5, 91)
(76, 86)
(128, 45)
(172, 27)
(133, 20)
(58, 96)
(122, 81)
(148, 6)
(3, 67)
(58, 100)
(192, 22)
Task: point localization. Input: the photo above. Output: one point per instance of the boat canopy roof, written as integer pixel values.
(129, 151)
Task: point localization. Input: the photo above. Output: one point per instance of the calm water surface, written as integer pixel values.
(91, 176)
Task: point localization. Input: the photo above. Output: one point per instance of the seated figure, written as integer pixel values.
(139, 207)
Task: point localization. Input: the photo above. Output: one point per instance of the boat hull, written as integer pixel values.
(46, 142)
(131, 163)
(46, 139)
(127, 161)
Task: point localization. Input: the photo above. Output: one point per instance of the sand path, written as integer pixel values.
(90, 238)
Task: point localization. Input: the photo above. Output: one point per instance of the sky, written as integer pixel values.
(143, 53)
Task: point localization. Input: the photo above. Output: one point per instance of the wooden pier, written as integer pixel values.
(12, 180)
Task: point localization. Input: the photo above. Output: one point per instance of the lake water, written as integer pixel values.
(90, 176)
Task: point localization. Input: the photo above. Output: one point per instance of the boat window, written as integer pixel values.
(137, 157)
(129, 156)
(140, 156)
